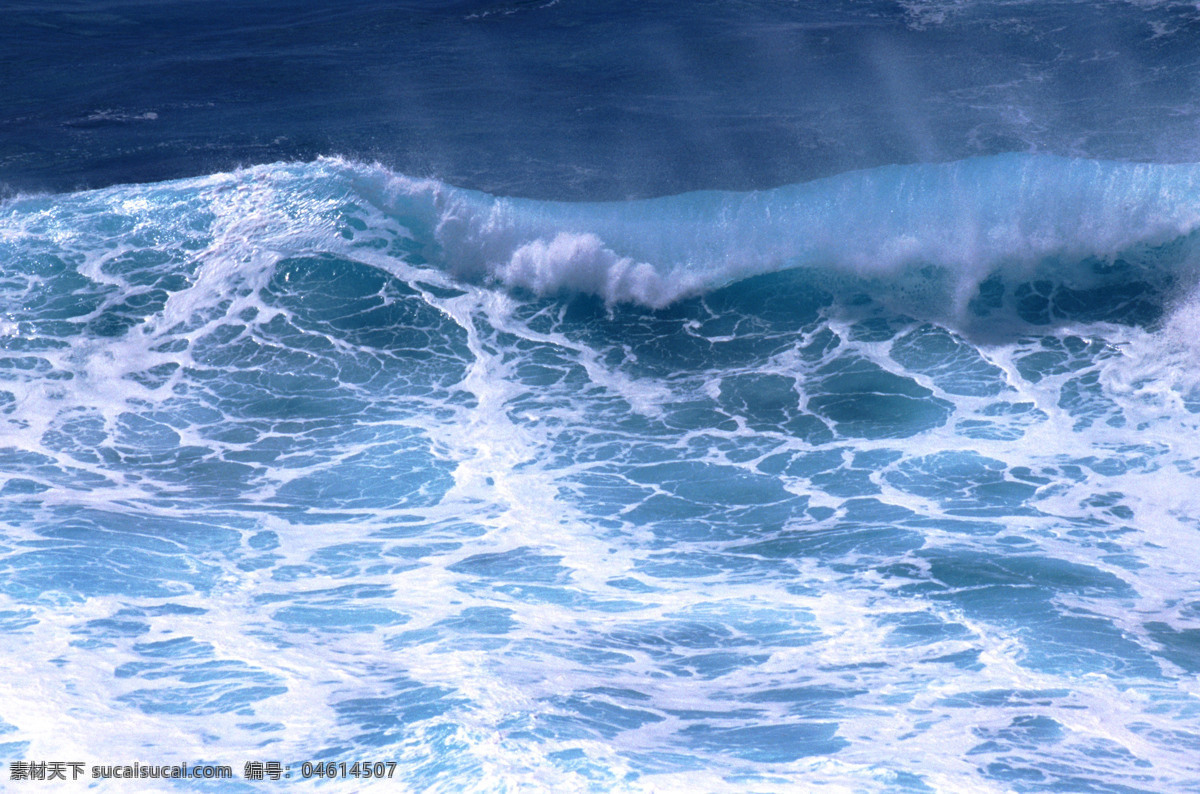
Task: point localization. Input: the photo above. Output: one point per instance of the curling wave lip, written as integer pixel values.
(1017, 216)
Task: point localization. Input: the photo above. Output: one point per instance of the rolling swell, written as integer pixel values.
(986, 240)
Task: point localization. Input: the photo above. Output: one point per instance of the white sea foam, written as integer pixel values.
(599, 551)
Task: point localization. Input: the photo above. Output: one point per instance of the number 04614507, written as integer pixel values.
(363, 769)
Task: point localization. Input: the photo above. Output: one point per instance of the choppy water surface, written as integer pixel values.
(290, 472)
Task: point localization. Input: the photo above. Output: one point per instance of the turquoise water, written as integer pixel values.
(884, 481)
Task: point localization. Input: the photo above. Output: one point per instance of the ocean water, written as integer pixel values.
(543, 396)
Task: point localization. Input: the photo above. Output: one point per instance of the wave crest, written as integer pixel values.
(933, 238)
(954, 225)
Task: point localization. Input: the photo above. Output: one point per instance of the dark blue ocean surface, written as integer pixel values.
(575, 100)
(540, 396)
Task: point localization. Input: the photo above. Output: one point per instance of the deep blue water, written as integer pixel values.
(730, 396)
(585, 101)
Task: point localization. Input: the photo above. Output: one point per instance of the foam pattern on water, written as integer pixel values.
(295, 468)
